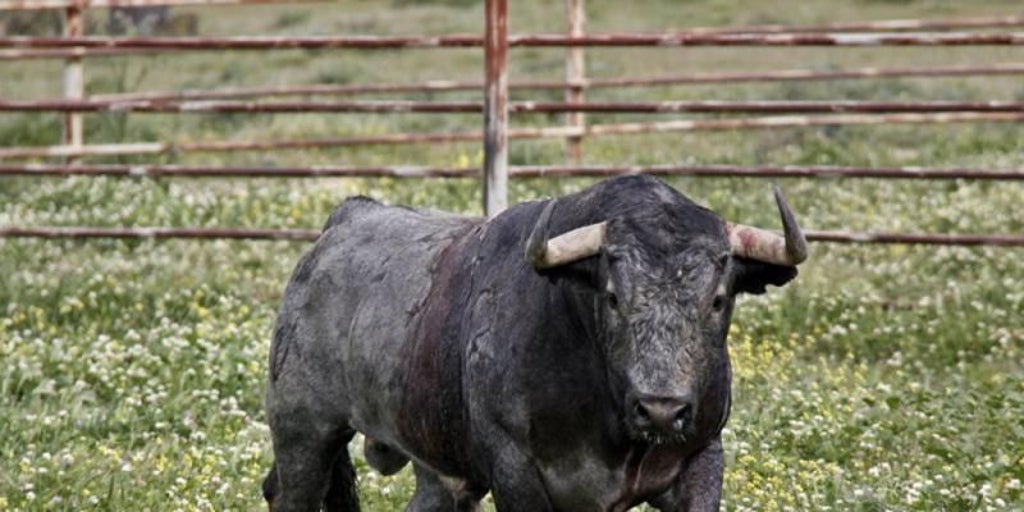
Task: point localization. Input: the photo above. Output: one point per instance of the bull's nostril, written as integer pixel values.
(641, 415)
(664, 415)
(682, 417)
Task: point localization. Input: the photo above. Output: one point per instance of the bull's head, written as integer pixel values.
(663, 280)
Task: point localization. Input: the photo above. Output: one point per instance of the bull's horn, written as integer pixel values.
(565, 248)
(762, 245)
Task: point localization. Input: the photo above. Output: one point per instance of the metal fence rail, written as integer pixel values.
(68, 53)
(871, 26)
(843, 237)
(684, 125)
(521, 171)
(437, 86)
(157, 233)
(521, 107)
(32, 5)
(529, 40)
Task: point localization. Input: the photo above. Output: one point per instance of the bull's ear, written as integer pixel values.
(753, 276)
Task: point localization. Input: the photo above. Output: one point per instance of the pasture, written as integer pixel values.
(885, 377)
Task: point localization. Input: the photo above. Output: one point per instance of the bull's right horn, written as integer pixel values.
(787, 250)
(566, 248)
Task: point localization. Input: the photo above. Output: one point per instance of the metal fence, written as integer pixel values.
(496, 107)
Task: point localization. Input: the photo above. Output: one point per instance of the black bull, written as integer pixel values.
(581, 372)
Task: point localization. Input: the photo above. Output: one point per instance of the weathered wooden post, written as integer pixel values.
(574, 78)
(74, 82)
(496, 108)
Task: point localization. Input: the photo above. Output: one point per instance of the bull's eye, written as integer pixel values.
(609, 293)
(718, 304)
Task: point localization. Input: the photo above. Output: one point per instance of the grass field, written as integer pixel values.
(884, 378)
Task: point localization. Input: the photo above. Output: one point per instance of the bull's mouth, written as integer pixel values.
(659, 438)
(655, 437)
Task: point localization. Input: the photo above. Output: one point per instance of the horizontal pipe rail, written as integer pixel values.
(530, 40)
(158, 233)
(454, 86)
(245, 42)
(772, 171)
(756, 123)
(855, 26)
(31, 5)
(152, 148)
(846, 237)
(316, 89)
(153, 171)
(222, 107)
(842, 237)
(686, 125)
(870, 26)
(530, 171)
(807, 75)
(817, 39)
(67, 53)
(521, 107)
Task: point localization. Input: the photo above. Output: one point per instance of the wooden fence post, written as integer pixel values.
(496, 108)
(574, 76)
(74, 83)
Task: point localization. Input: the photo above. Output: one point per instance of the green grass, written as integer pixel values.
(884, 378)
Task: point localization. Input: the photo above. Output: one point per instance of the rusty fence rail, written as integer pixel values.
(438, 86)
(34, 5)
(681, 39)
(521, 107)
(977, 22)
(898, 25)
(521, 171)
(157, 233)
(842, 237)
(673, 126)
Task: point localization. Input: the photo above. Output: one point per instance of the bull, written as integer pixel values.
(565, 355)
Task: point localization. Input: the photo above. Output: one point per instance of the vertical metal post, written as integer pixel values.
(74, 83)
(496, 108)
(574, 77)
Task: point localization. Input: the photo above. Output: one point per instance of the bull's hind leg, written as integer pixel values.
(342, 494)
(311, 467)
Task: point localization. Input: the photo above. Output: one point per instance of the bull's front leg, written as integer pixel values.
(699, 487)
(516, 483)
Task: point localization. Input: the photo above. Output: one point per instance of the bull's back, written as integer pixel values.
(351, 305)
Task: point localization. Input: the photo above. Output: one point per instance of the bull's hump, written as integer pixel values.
(363, 209)
(351, 208)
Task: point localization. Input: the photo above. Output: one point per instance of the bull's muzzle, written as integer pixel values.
(662, 418)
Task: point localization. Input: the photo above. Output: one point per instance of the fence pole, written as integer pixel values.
(496, 108)
(574, 77)
(74, 83)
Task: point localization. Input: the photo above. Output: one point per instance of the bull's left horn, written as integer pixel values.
(788, 250)
(566, 248)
